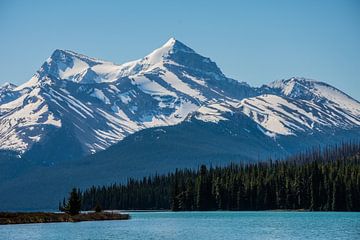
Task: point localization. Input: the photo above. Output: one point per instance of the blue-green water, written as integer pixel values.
(199, 225)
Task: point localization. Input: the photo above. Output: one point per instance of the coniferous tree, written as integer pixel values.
(202, 190)
(98, 208)
(73, 205)
(314, 186)
(175, 204)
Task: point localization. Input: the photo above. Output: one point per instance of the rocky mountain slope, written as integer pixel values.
(80, 121)
(75, 100)
(98, 103)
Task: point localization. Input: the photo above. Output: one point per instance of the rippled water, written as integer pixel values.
(199, 225)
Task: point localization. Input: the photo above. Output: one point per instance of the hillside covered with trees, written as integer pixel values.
(318, 180)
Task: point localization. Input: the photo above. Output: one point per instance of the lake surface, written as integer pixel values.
(199, 225)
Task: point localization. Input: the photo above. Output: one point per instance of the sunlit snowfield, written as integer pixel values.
(199, 225)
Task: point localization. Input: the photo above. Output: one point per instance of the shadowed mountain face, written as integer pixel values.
(81, 121)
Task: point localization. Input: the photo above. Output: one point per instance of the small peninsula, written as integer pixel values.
(69, 212)
(47, 217)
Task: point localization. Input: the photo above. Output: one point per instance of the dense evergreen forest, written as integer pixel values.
(318, 180)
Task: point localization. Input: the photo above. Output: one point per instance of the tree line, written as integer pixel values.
(326, 179)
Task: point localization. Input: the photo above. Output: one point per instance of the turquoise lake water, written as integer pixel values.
(199, 225)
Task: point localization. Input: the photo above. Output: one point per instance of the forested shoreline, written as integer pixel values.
(318, 180)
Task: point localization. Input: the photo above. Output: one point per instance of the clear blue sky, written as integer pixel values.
(253, 41)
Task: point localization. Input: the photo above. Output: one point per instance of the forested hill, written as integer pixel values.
(319, 180)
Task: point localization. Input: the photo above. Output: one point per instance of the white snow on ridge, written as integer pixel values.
(108, 71)
(8, 86)
(267, 133)
(213, 112)
(100, 95)
(180, 86)
(279, 115)
(264, 117)
(180, 113)
(66, 72)
(125, 97)
(34, 80)
(19, 118)
(308, 88)
(339, 98)
(198, 81)
(159, 54)
(269, 112)
(151, 87)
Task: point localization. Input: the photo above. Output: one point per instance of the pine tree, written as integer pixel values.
(315, 185)
(204, 197)
(98, 208)
(189, 195)
(175, 204)
(73, 206)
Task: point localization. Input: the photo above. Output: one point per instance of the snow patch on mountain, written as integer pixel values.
(100, 95)
(287, 116)
(180, 86)
(342, 100)
(267, 111)
(213, 112)
(151, 87)
(24, 120)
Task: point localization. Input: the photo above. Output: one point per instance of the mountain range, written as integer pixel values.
(81, 121)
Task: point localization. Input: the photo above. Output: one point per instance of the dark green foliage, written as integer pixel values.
(98, 208)
(73, 205)
(176, 198)
(204, 193)
(320, 180)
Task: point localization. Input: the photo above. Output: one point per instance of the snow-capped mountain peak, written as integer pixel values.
(68, 65)
(171, 46)
(98, 103)
(293, 87)
(8, 86)
(173, 53)
(71, 66)
(299, 104)
(308, 89)
(67, 57)
(6, 92)
(103, 102)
